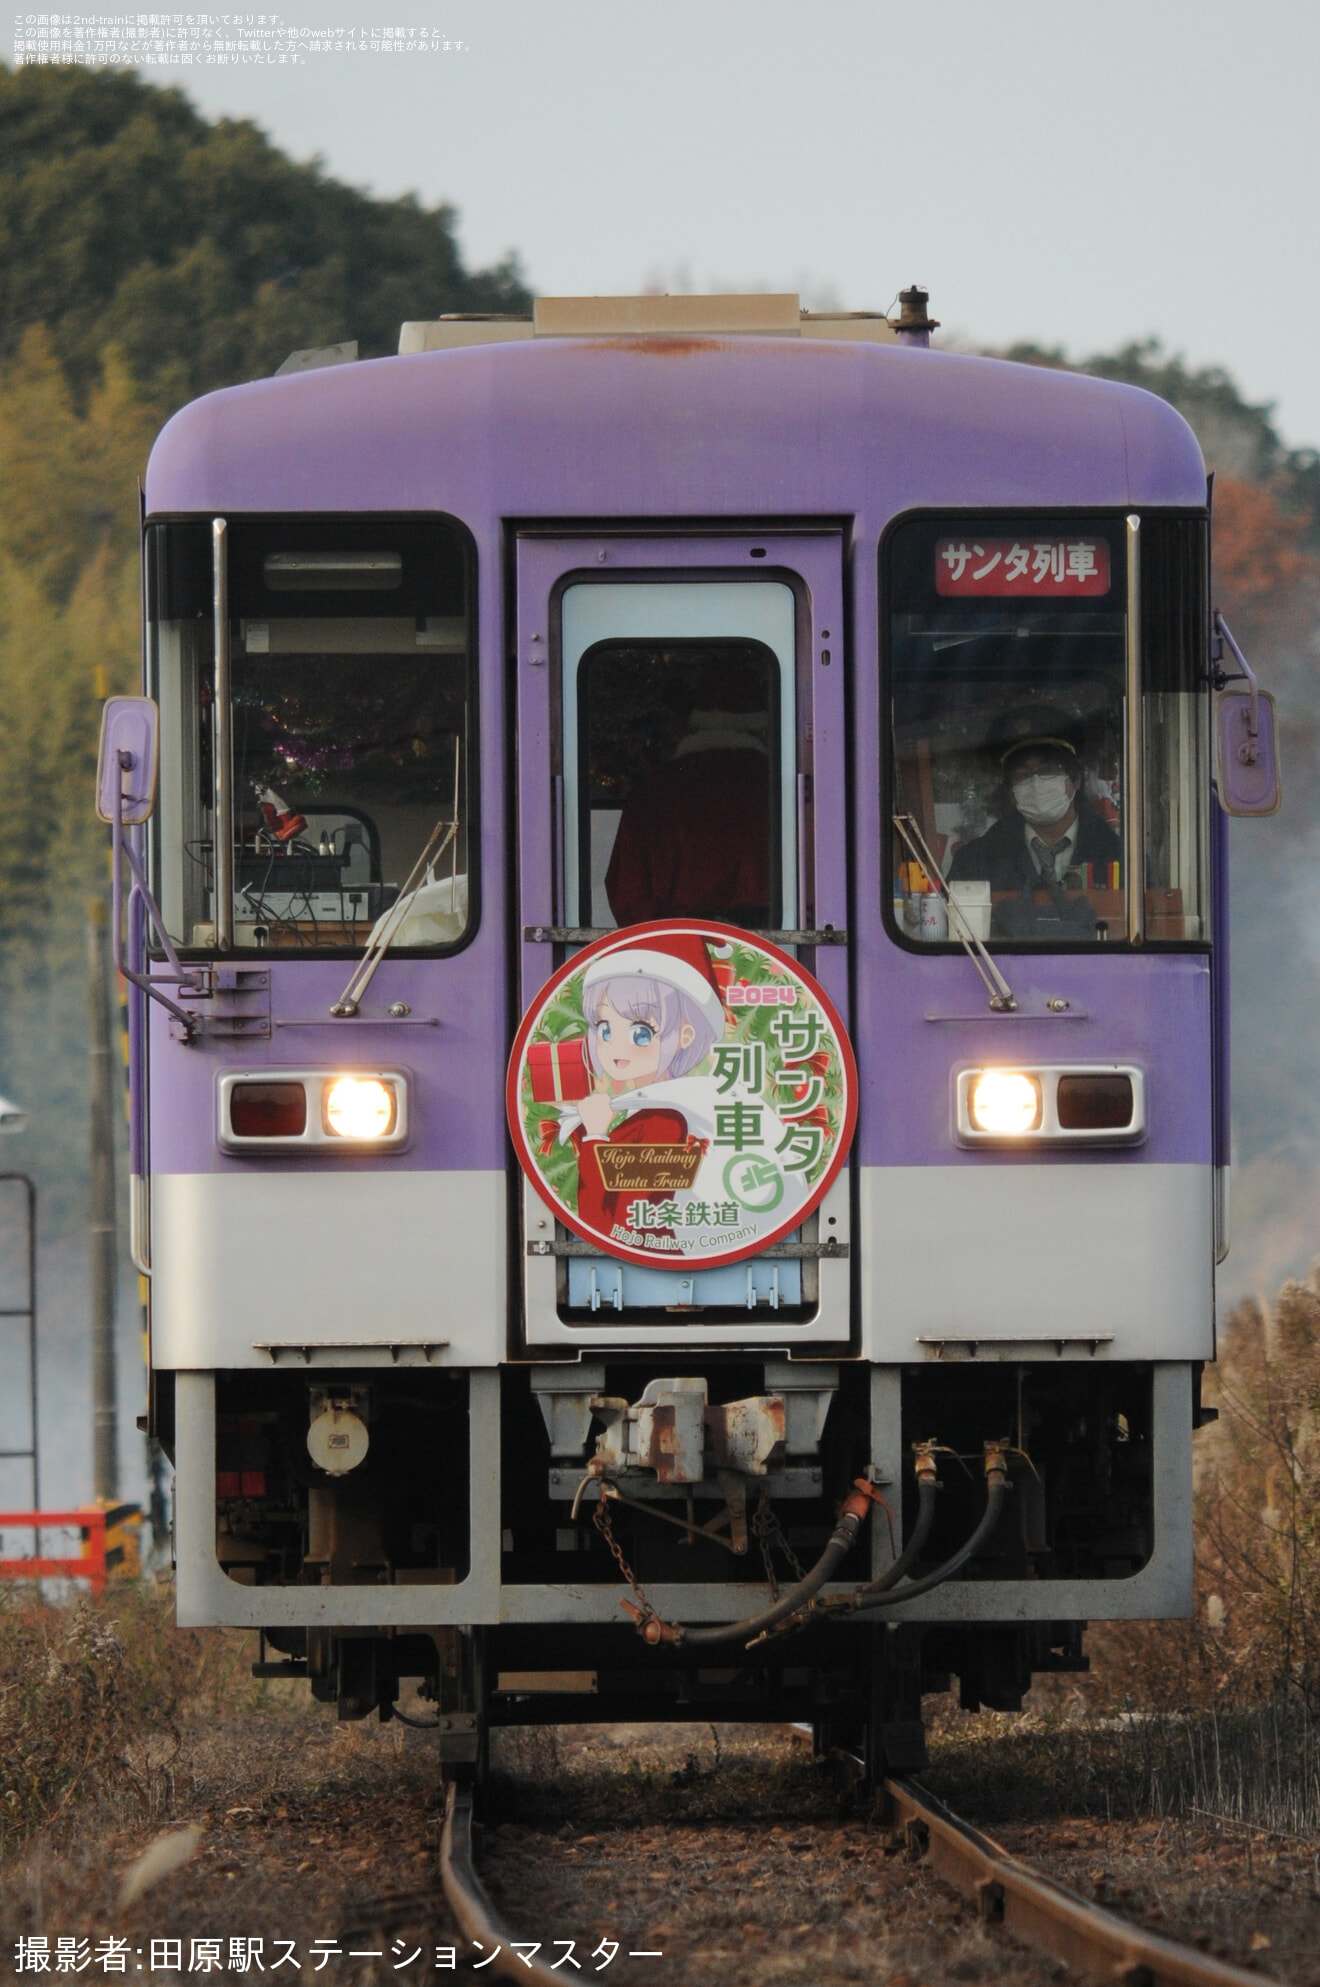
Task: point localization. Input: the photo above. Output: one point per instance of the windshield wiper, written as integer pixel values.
(387, 929)
(1002, 997)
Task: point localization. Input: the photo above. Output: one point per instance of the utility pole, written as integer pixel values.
(105, 1415)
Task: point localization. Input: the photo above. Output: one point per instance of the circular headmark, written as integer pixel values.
(682, 1094)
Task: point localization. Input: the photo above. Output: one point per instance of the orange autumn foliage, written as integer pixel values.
(1264, 577)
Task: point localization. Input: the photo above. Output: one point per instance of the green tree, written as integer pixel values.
(199, 249)
(68, 635)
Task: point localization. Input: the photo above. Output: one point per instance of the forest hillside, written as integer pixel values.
(197, 250)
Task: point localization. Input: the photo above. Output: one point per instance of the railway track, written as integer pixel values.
(476, 1916)
(1040, 1913)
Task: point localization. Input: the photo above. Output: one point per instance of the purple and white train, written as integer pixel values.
(898, 665)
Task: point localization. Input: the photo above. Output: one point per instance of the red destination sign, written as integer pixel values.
(1061, 568)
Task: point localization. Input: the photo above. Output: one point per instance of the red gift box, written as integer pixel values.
(560, 1071)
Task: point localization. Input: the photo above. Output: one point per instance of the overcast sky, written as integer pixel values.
(1076, 174)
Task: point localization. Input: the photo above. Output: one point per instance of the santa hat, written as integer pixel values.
(679, 959)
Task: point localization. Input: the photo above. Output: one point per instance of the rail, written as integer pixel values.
(1034, 1908)
(1043, 1913)
(475, 1915)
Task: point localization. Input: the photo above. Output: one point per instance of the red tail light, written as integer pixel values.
(1094, 1102)
(268, 1110)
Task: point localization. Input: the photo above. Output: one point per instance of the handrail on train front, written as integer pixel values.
(1134, 827)
(223, 770)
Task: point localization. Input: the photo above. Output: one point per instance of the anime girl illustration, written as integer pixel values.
(653, 1017)
(653, 1138)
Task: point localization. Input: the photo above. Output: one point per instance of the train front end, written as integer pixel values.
(692, 1072)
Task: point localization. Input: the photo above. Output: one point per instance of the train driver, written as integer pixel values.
(1051, 832)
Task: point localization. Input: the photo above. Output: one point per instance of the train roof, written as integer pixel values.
(698, 426)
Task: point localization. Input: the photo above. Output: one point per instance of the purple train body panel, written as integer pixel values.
(488, 434)
(455, 1063)
(674, 429)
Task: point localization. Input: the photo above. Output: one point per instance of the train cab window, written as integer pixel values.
(1009, 657)
(349, 720)
(679, 759)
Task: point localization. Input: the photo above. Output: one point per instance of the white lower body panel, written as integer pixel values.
(267, 1267)
(1014, 1261)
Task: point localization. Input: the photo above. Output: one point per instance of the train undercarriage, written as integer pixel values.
(686, 1495)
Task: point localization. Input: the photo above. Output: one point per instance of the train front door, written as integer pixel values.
(680, 720)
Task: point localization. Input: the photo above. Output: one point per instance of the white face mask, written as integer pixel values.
(1043, 798)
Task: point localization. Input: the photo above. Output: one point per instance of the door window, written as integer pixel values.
(678, 794)
(679, 754)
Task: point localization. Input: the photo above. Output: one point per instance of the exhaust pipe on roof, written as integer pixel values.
(912, 323)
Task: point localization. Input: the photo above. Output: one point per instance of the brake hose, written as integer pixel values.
(856, 1505)
(996, 1473)
(927, 1491)
(881, 1592)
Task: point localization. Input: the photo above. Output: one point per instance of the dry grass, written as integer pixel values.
(82, 1686)
(1218, 1716)
(1256, 1766)
(1255, 1634)
(1228, 1703)
(1258, 1550)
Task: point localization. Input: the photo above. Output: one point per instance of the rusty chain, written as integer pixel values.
(600, 1518)
(769, 1533)
(765, 1526)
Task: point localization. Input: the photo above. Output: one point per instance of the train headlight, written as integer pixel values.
(266, 1113)
(1050, 1104)
(1005, 1102)
(360, 1107)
